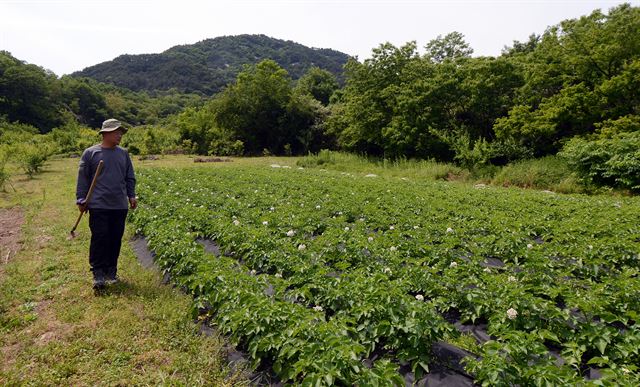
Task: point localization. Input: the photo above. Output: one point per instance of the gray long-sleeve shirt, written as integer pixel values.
(116, 183)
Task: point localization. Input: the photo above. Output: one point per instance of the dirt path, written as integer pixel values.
(11, 220)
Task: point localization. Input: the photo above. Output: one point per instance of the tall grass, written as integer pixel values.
(423, 169)
(551, 172)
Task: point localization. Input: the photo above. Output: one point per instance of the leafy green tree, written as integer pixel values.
(370, 95)
(450, 47)
(25, 93)
(255, 106)
(86, 103)
(196, 127)
(319, 83)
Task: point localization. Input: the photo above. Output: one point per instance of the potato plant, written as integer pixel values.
(332, 278)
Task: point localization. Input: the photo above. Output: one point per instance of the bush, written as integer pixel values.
(610, 162)
(31, 157)
(222, 147)
(4, 174)
(72, 138)
(150, 140)
(549, 172)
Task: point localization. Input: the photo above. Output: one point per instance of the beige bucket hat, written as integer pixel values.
(112, 124)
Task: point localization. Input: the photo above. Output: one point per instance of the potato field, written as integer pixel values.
(333, 278)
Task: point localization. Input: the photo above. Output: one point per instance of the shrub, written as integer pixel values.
(223, 147)
(72, 138)
(612, 162)
(4, 174)
(31, 157)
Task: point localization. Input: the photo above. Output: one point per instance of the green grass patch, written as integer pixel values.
(55, 331)
(551, 172)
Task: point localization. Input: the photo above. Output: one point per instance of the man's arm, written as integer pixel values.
(84, 180)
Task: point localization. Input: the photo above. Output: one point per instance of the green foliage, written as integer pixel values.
(27, 93)
(226, 147)
(320, 271)
(263, 112)
(610, 128)
(450, 47)
(151, 140)
(72, 138)
(31, 157)
(319, 83)
(4, 174)
(208, 66)
(612, 162)
(324, 157)
(550, 172)
(526, 103)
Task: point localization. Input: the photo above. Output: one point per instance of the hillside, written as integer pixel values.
(208, 65)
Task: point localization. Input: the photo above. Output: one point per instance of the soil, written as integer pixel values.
(11, 220)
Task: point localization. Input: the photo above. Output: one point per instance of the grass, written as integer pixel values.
(549, 172)
(417, 169)
(54, 330)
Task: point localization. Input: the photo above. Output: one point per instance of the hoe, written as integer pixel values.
(72, 234)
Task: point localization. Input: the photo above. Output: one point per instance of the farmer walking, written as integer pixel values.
(113, 194)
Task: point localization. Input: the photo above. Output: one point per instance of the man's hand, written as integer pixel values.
(82, 206)
(133, 203)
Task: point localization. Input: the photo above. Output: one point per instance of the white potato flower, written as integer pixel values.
(453, 264)
(393, 248)
(278, 275)
(386, 270)
(511, 279)
(449, 230)
(236, 222)
(291, 233)
(318, 308)
(529, 246)
(370, 239)
(265, 223)
(419, 297)
(512, 313)
(302, 247)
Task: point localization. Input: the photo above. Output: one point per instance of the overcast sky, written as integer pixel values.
(66, 36)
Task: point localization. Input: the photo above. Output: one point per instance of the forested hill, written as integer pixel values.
(209, 65)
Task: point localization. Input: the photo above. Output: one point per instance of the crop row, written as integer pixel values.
(335, 278)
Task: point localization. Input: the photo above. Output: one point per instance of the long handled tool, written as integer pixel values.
(72, 234)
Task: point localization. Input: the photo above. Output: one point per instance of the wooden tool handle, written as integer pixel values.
(86, 200)
(93, 182)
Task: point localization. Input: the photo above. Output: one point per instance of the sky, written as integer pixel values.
(67, 36)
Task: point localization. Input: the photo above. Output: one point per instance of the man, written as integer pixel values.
(113, 194)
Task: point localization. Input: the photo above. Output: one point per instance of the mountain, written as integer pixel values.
(209, 65)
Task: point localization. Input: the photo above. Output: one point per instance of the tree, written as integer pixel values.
(254, 106)
(450, 47)
(318, 83)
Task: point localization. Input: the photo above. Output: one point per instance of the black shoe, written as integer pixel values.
(110, 276)
(99, 283)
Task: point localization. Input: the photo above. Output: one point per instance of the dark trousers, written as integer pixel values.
(107, 228)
